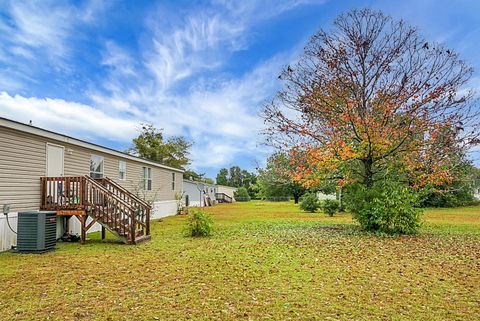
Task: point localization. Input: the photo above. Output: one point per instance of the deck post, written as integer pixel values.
(133, 227)
(43, 195)
(147, 221)
(83, 220)
(103, 232)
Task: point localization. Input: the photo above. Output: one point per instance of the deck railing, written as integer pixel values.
(62, 193)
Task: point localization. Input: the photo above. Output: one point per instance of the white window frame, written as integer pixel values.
(147, 178)
(102, 173)
(120, 168)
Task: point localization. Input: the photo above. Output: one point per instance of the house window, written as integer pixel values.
(96, 166)
(147, 178)
(122, 170)
(173, 181)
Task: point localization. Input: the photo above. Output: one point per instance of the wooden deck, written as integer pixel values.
(71, 212)
(106, 202)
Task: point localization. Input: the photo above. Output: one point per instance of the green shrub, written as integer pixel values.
(330, 207)
(241, 195)
(309, 203)
(459, 196)
(387, 207)
(199, 223)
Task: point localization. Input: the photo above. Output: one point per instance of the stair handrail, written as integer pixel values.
(106, 190)
(131, 212)
(146, 206)
(126, 191)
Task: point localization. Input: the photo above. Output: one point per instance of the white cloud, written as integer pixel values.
(93, 11)
(224, 121)
(203, 39)
(213, 154)
(36, 24)
(66, 117)
(182, 46)
(118, 59)
(48, 25)
(40, 34)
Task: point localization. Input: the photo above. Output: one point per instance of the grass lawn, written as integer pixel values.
(265, 261)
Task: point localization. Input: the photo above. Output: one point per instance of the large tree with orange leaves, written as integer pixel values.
(372, 98)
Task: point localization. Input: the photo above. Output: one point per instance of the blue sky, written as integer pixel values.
(202, 69)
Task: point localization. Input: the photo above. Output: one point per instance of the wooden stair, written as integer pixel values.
(119, 211)
(223, 198)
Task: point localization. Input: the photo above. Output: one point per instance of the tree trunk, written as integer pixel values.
(368, 165)
(296, 198)
(340, 200)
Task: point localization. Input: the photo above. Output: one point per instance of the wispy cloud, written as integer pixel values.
(44, 25)
(184, 45)
(218, 111)
(36, 34)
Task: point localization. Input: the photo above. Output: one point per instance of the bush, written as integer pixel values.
(199, 224)
(330, 207)
(387, 207)
(241, 195)
(309, 203)
(460, 196)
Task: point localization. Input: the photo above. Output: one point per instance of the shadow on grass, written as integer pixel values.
(288, 227)
(318, 230)
(95, 239)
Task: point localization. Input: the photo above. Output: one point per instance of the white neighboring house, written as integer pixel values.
(476, 193)
(321, 196)
(198, 193)
(29, 153)
(228, 191)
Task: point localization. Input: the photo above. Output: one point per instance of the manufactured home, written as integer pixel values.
(198, 193)
(225, 194)
(101, 187)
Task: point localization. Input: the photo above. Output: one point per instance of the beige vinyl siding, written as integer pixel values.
(23, 162)
(78, 163)
(161, 182)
